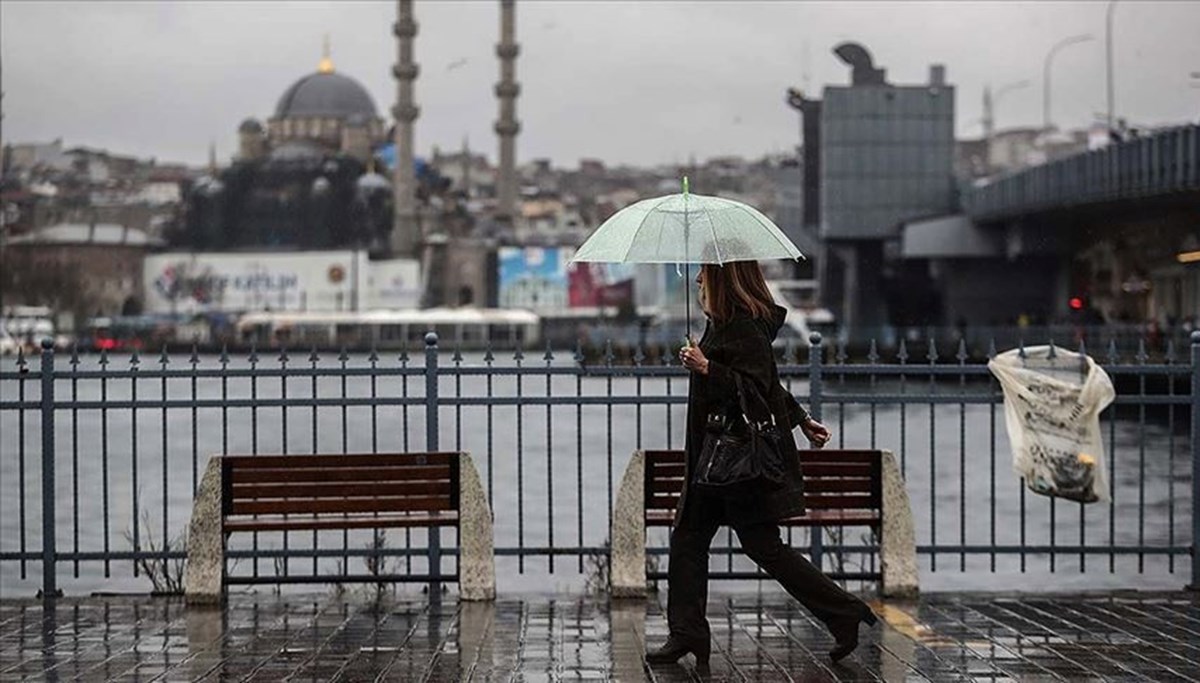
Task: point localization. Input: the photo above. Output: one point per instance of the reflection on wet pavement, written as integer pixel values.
(266, 637)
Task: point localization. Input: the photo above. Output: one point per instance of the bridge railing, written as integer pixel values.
(100, 457)
(1164, 163)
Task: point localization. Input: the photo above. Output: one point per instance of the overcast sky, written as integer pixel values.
(644, 82)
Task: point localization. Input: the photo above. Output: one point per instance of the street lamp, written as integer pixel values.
(989, 119)
(1108, 59)
(1065, 42)
(990, 100)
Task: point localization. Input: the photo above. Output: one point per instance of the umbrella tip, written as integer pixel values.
(685, 186)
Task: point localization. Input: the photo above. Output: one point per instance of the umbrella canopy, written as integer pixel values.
(687, 228)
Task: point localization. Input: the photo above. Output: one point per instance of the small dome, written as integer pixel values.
(295, 150)
(372, 182)
(325, 94)
(250, 126)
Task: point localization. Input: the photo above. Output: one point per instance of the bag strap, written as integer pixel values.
(740, 383)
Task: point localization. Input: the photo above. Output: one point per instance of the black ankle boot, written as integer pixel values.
(675, 648)
(845, 632)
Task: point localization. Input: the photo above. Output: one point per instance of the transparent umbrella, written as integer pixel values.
(685, 229)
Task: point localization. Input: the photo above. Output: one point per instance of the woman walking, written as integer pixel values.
(743, 320)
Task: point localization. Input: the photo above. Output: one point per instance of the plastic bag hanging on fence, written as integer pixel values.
(1052, 404)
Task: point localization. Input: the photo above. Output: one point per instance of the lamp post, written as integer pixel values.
(1065, 42)
(1108, 60)
(990, 101)
(989, 119)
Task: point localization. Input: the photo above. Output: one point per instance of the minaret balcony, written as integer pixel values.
(406, 72)
(406, 113)
(508, 127)
(508, 89)
(405, 28)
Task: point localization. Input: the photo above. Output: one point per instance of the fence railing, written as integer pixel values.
(100, 463)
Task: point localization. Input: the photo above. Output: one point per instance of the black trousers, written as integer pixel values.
(687, 575)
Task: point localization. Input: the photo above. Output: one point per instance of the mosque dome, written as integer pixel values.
(326, 93)
(250, 126)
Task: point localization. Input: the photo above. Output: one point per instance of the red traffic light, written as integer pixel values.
(1075, 303)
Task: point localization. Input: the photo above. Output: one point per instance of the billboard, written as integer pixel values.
(543, 278)
(533, 278)
(602, 284)
(187, 282)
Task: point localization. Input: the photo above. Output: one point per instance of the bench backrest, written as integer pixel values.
(833, 479)
(842, 480)
(663, 479)
(339, 484)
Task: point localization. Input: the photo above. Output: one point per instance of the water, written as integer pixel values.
(556, 487)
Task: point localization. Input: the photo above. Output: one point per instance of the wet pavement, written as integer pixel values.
(267, 637)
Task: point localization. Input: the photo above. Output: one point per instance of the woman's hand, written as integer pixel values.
(817, 434)
(693, 359)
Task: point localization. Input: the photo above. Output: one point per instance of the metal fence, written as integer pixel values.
(100, 463)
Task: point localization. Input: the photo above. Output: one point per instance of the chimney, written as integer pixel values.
(937, 75)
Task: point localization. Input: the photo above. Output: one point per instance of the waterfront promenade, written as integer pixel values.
(319, 637)
(101, 460)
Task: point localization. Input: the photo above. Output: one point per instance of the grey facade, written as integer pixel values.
(886, 158)
(887, 155)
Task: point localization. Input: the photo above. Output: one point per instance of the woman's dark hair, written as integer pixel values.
(734, 285)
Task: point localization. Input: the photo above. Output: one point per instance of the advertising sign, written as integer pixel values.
(186, 282)
(533, 278)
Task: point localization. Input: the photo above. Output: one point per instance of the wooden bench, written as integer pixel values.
(281, 493)
(846, 488)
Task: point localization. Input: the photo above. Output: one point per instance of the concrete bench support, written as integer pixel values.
(898, 550)
(204, 575)
(476, 556)
(627, 574)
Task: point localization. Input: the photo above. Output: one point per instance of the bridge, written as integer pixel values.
(1163, 166)
(1100, 237)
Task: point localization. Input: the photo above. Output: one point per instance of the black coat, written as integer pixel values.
(743, 345)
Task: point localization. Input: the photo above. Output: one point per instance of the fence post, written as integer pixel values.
(815, 353)
(431, 444)
(49, 528)
(1195, 445)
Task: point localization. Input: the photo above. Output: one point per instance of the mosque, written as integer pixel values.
(304, 181)
(306, 195)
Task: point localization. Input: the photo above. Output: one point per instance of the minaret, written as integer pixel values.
(507, 127)
(466, 167)
(404, 228)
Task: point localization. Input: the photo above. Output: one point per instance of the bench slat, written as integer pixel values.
(811, 455)
(329, 522)
(836, 502)
(325, 505)
(662, 502)
(340, 460)
(834, 518)
(667, 485)
(828, 469)
(831, 485)
(318, 475)
(813, 518)
(342, 490)
(665, 470)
